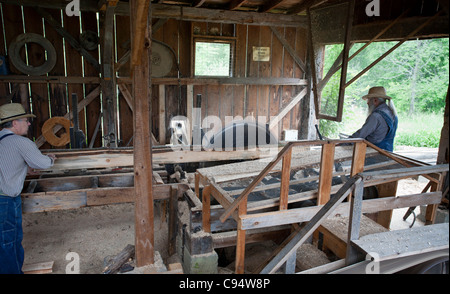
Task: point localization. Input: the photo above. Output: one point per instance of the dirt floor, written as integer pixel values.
(96, 234)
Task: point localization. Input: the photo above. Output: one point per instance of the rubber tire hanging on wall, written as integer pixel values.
(16, 60)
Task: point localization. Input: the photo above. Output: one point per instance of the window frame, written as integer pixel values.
(223, 40)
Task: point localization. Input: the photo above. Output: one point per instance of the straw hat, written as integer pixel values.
(376, 92)
(12, 111)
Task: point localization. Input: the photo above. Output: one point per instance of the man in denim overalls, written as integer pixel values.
(17, 155)
(381, 124)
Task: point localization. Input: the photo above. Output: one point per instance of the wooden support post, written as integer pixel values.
(143, 173)
(173, 215)
(430, 214)
(162, 114)
(354, 222)
(109, 80)
(240, 242)
(206, 209)
(197, 185)
(359, 156)
(358, 159)
(386, 190)
(285, 177)
(189, 109)
(289, 267)
(326, 173)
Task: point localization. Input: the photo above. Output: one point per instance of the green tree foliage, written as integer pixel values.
(212, 59)
(415, 75)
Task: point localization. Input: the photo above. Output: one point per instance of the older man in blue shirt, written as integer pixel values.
(381, 124)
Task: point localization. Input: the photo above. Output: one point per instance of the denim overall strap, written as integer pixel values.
(4, 136)
(388, 142)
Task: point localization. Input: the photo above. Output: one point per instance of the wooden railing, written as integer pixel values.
(315, 215)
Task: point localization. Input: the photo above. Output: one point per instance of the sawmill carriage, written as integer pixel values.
(118, 99)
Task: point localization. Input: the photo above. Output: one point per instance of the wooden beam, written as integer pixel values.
(206, 209)
(223, 81)
(235, 4)
(143, 173)
(288, 47)
(227, 16)
(139, 31)
(270, 5)
(162, 114)
(49, 79)
(305, 214)
(304, 5)
(109, 101)
(346, 50)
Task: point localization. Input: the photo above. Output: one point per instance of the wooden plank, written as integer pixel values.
(119, 260)
(75, 160)
(326, 173)
(38, 268)
(268, 219)
(396, 174)
(50, 201)
(400, 243)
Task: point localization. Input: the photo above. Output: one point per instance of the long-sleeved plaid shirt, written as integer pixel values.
(17, 153)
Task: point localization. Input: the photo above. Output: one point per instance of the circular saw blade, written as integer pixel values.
(161, 60)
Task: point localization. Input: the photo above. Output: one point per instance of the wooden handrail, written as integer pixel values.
(271, 165)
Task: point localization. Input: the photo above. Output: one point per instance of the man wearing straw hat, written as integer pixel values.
(17, 155)
(381, 124)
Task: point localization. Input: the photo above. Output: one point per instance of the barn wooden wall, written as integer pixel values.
(51, 99)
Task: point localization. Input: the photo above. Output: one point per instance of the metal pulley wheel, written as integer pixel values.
(162, 60)
(16, 60)
(48, 131)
